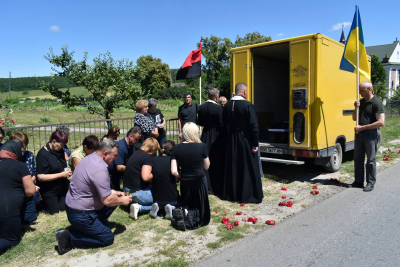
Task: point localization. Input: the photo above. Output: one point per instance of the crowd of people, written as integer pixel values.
(140, 170)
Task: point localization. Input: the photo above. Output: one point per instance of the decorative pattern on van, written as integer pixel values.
(299, 71)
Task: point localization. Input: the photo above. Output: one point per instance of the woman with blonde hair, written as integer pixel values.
(138, 177)
(145, 123)
(188, 163)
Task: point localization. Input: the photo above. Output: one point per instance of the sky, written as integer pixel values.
(169, 30)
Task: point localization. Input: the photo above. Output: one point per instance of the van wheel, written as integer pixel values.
(335, 161)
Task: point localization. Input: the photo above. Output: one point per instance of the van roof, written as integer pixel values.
(315, 35)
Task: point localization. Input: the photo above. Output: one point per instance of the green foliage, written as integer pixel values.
(396, 94)
(251, 38)
(32, 83)
(378, 77)
(152, 74)
(108, 81)
(216, 52)
(25, 92)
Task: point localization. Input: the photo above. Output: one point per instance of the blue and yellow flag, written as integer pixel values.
(355, 41)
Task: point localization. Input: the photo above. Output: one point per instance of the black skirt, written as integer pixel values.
(195, 199)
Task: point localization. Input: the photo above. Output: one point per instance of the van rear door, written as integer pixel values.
(241, 63)
(299, 105)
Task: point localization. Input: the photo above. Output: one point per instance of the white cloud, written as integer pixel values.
(54, 28)
(279, 34)
(339, 26)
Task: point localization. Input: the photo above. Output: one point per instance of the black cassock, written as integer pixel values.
(210, 116)
(242, 170)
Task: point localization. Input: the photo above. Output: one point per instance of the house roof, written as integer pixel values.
(382, 50)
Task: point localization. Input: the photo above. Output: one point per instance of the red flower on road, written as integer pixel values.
(270, 222)
(283, 189)
(225, 220)
(239, 213)
(314, 192)
(289, 204)
(283, 197)
(283, 203)
(315, 187)
(242, 205)
(236, 223)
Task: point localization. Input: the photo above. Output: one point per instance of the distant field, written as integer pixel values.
(40, 94)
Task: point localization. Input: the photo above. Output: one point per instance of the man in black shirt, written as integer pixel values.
(187, 113)
(371, 117)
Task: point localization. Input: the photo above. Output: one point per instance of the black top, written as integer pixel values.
(133, 170)
(164, 186)
(12, 191)
(47, 163)
(157, 117)
(368, 110)
(210, 115)
(190, 158)
(188, 113)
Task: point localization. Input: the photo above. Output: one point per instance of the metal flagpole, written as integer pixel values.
(358, 63)
(200, 89)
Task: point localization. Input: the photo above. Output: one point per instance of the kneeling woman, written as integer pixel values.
(16, 183)
(192, 159)
(138, 177)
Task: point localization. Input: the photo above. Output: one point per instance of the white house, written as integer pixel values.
(390, 56)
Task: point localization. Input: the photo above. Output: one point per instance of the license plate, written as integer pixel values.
(272, 150)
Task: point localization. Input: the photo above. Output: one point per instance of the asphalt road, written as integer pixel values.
(352, 228)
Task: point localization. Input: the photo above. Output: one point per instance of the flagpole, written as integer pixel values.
(358, 65)
(200, 89)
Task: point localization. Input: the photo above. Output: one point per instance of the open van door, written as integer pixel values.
(299, 105)
(241, 63)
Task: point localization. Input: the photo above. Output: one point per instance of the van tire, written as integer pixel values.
(335, 161)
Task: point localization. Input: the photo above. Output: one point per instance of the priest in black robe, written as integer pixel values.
(210, 117)
(242, 166)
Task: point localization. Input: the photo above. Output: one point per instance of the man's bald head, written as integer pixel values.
(240, 88)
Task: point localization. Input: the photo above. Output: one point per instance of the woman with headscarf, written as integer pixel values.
(16, 183)
(188, 163)
(52, 173)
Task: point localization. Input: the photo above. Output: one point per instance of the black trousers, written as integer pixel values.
(54, 204)
(10, 232)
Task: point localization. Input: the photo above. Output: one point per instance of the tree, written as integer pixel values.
(251, 38)
(216, 52)
(378, 77)
(109, 81)
(25, 92)
(152, 74)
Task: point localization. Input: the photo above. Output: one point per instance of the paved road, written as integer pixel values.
(352, 228)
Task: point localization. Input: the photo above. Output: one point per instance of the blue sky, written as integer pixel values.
(169, 29)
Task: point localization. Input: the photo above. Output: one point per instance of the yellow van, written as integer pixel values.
(304, 102)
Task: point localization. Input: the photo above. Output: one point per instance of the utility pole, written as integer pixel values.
(9, 86)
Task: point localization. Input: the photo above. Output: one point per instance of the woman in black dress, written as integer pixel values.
(16, 183)
(188, 163)
(52, 173)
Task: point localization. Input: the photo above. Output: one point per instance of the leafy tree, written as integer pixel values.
(25, 92)
(216, 52)
(109, 81)
(152, 74)
(378, 77)
(251, 38)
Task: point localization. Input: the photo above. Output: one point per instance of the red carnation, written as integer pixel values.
(283, 189)
(283, 197)
(283, 203)
(289, 204)
(239, 213)
(315, 187)
(255, 220)
(250, 219)
(270, 222)
(242, 205)
(236, 223)
(225, 220)
(385, 159)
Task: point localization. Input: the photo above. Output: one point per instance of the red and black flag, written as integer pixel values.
(192, 66)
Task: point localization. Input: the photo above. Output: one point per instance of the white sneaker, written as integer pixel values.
(153, 211)
(168, 212)
(134, 210)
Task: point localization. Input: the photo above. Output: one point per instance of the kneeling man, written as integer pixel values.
(90, 201)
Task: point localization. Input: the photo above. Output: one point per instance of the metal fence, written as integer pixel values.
(392, 109)
(39, 135)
